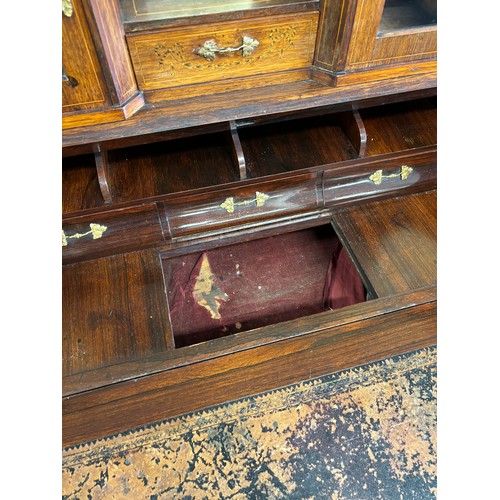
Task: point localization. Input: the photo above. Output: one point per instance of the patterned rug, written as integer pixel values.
(365, 433)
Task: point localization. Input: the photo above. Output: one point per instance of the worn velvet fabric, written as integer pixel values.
(258, 283)
(367, 433)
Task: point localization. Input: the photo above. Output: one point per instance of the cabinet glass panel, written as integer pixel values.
(150, 10)
(407, 14)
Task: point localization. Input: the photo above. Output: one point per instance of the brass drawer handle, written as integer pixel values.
(377, 176)
(229, 203)
(209, 49)
(96, 231)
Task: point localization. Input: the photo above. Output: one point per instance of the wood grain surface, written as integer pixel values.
(174, 392)
(393, 242)
(80, 61)
(143, 11)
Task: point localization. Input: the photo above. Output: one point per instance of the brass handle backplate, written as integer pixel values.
(377, 176)
(229, 203)
(210, 49)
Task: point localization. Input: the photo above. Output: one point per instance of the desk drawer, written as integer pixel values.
(229, 209)
(212, 52)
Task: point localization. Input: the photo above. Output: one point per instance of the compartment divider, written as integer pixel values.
(102, 167)
(353, 127)
(237, 150)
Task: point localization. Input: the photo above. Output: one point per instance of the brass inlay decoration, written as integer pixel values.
(377, 176)
(206, 293)
(229, 203)
(96, 231)
(170, 57)
(210, 49)
(67, 8)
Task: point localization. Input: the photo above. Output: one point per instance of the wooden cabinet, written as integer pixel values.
(392, 31)
(83, 84)
(377, 38)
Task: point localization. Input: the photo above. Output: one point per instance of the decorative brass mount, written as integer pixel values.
(377, 176)
(96, 231)
(229, 203)
(209, 49)
(67, 8)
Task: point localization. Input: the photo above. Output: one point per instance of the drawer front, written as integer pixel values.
(230, 209)
(112, 232)
(184, 56)
(378, 179)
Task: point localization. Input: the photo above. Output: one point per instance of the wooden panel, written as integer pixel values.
(109, 35)
(397, 48)
(114, 310)
(150, 399)
(249, 203)
(295, 144)
(125, 230)
(166, 59)
(80, 61)
(393, 242)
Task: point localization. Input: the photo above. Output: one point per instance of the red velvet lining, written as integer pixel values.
(260, 282)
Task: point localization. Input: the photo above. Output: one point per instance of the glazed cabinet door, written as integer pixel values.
(83, 86)
(387, 32)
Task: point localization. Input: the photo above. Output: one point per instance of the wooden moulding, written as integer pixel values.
(239, 342)
(102, 163)
(344, 186)
(234, 367)
(110, 232)
(252, 104)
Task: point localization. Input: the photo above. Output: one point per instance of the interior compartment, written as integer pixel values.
(184, 164)
(292, 145)
(80, 185)
(405, 14)
(236, 288)
(149, 170)
(400, 126)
